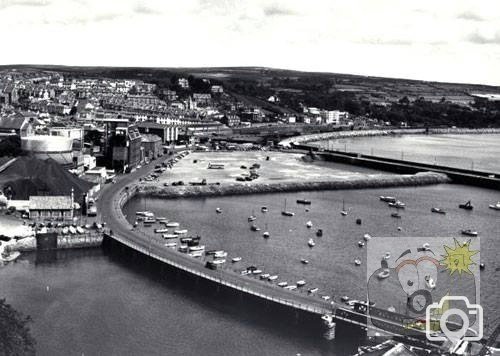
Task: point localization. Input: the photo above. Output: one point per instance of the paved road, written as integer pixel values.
(109, 206)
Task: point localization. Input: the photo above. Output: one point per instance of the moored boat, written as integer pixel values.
(495, 206)
(312, 290)
(149, 221)
(196, 248)
(325, 297)
(361, 243)
(254, 227)
(291, 287)
(236, 259)
(161, 231)
(311, 243)
(272, 278)
(285, 212)
(180, 232)
(319, 232)
(183, 248)
(304, 261)
(301, 283)
(438, 211)
(357, 262)
(218, 211)
(264, 276)
(387, 199)
(384, 274)
(469, 232)
(10, 256)
(171, 244)
(396, 215)
(196, 254)
(161, 218)
(264, 209)
(282, 284)
(220, 254)
(172, 224)
(169, 236)
(466, 206)
(397, 204)
(367, 237)
(309, 224)
(303, 201)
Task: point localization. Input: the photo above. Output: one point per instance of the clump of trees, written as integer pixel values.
(15, 336)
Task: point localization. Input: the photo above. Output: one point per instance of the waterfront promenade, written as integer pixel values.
(114, 196)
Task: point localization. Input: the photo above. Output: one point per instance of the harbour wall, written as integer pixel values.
(369, 133)
(377, 181)
(87, 240)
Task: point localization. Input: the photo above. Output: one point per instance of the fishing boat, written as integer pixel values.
(291, 287)
(272, 278)
(469, 232)
(172, 224)
(304, 261)
(264, 276)
(438, 211)
(180, 232)
(309, 224)
(264, 209)
(397, 204)
(218, 211)
(311, 243)
(319, 232)
(384, 274)
(303, 201)
(301, 283)
(171, 244)
(284, 212)
(282, 284)
(343, 212)
(196, 248)
(396, 215)
(367, 237)
(236, 259)
(254, 228)
(161, 231)
(361, 243)
(466, 206)
(495, 206)
(357, 262)
(387, 199)
(312, 290)
(169, 236)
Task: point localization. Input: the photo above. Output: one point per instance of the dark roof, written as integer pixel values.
(13, 122)
(152, 125)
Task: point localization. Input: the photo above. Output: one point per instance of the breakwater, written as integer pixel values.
(87, 240)
(370, 133)
(376, 181)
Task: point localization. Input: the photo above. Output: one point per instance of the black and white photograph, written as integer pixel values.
(249, 177)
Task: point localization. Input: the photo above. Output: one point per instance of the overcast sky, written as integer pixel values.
(444, 40)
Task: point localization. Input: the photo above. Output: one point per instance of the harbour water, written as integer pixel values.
(478, 152)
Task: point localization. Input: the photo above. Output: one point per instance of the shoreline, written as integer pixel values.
(371, 133)
(379, 181)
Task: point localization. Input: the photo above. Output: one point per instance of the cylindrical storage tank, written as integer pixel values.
(58, 148)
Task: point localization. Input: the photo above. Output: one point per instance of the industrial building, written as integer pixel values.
(168, 133)
(43, 147)
(59, 207)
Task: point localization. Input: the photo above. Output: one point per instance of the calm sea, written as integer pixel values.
(478, 152)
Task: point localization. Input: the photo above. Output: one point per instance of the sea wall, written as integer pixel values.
(376, 181)
(368, 133)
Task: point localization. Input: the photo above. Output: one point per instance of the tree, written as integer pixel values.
(15, 336)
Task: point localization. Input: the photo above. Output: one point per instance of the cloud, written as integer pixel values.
(477, 38)
(469, 16)
(276, 10)
(140, 8)
(28, 3)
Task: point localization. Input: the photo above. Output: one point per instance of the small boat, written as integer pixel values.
(254, 228)
(367, 237)
(264, 209)
(282, 284)
(196, 248)
(466, 206)
(80, 230)
(252, 217)
(309, 224)
(328, 321)
(304, 261)
(161, 231)
(303, 201)
(358, 221)
(311, 243)
(236, 259)
(136, 223)
(284, 212)
(400, 228)
(180, 232)
(482, 266)
(291, 287)
(149, 221)
(301, 283)
(144, 213)
(387, 256)
(345, 299)
(218, 211)
(384, 274)
(10, 256)
(172, 224)
(161, 218)
(495, 206)
(257, 271)
(429, 282)
(319, 232)
(266, 234)
(218, 262)
(196, 254)
(426, 246)
(357, 262)
(343, 212)
(211, 252)
(312, 290)
(397, 204)
(169, 236)
(183, 248)
(325, 297)
(387, 199)
(438, 211)
(361, 243)
(72, 230)
(469, 232)
(264, 276)
(221, 254)
(272, 278)
(396, 215)
(171, 244)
